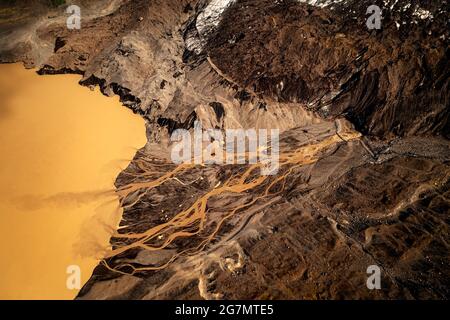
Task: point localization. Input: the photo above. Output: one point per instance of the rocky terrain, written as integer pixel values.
(364, 149)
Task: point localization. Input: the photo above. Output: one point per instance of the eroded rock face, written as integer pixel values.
(328, 60)
(302, 67)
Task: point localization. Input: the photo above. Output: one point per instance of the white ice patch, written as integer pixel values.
(321, 3)
(208, 20)
(423, 14)
(393, 4)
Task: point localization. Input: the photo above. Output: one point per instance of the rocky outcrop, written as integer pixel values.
(391, 82)
(313, 70)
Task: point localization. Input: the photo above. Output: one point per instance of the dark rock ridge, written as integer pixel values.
(389, 82)
(300, 66)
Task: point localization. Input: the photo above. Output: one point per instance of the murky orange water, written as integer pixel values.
(61, 148)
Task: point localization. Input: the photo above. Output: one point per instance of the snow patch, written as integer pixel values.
(208, 20)
(422, 14)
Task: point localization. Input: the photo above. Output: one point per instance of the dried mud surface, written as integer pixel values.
(364, 135)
